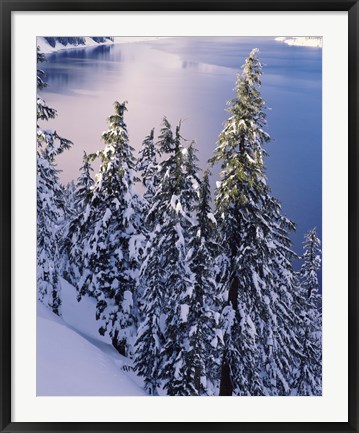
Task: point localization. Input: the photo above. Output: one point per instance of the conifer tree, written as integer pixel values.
(169, 173)
(76, 230)
(152, 281)
(255, 235)
(308, 380)
(50, 202)
(204, 334)
(84, 185)
(147, 165)
(150, 338)
(177, 231)
(69, 199)
(113, 243)
(166, 276)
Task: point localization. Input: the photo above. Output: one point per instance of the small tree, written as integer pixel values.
(148, 166)
(308, 380)
(76, 231)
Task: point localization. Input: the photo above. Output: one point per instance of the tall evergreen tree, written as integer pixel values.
(308, 380)
(255, 235)
(166, 276)
(152, 281)
(50, 202)
(180, 187)
(112, 243)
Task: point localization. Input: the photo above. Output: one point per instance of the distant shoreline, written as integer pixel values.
(46, 48)
(302, 41)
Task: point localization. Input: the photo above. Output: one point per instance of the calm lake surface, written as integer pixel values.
(190, 79)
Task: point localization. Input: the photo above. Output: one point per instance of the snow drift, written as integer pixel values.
(73, 359)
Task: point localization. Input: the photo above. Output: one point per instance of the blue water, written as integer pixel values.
(191, 79)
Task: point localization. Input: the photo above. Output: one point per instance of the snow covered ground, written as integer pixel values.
(73, 359)
(46, 48)
(302, 41)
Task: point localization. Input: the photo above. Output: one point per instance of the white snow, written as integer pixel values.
(302, 41)
(127, 302)
(46, 48)
(81, 316)
(180, 242)
(184, 312)
(214, 342)
(176, 203)
(69, 364)
(211, 217)
(266, 299)
(252, 326)
(73, 358)
(106, 217)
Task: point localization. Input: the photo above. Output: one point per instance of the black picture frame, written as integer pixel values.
(6, 9)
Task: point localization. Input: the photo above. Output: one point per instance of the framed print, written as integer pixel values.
(179, 216)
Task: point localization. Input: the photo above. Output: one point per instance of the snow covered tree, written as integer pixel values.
(148, 166)
(308, 380)
(84, 185)
(50, 202)
(311, 266)
(169, 173)
(177, 371)
(69, 198)
(258, 353)
(76, 230)
(150, 338)
(162, 350)
(205, 338)
(112, 243)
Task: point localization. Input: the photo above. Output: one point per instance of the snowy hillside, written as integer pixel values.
(73, 359)
(302, 41)
(50, 45)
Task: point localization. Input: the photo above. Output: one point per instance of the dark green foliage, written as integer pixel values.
(255, 237)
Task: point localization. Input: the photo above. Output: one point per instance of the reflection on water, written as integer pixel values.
(191, 79)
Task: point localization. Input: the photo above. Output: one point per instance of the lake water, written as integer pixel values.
(191, 79)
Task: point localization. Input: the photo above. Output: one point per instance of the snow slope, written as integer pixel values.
(73, 359)
(80, 316)
(46, 48)
(302, 41)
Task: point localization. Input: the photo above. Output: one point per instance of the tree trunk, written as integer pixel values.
(233, 294)
(120, 346)
(226, 386)
(197, 378)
